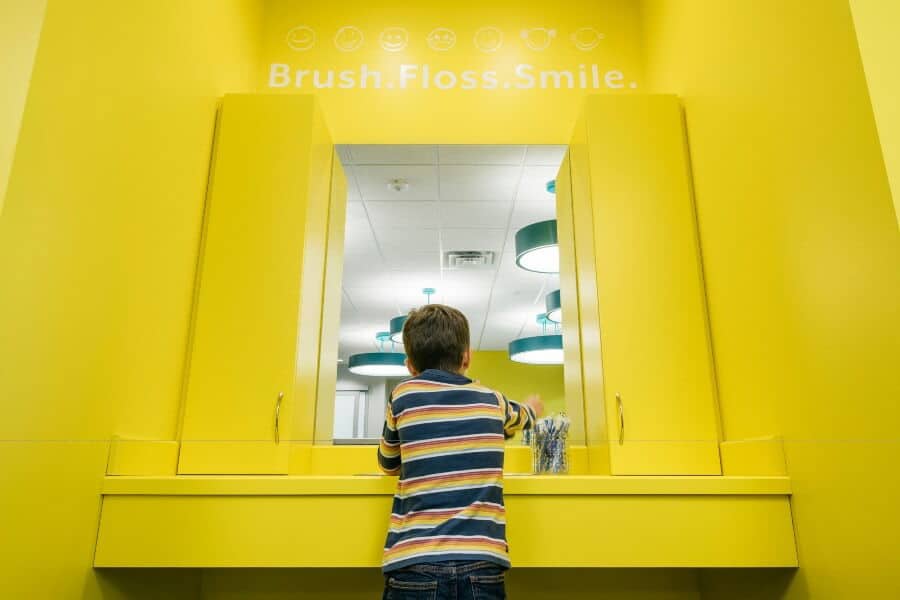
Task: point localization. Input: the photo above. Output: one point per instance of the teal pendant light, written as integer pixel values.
(381, 363)
(537, 350)
(537, 245)
(397, 329)
(554, 306)
(396, 325)
(546, 349)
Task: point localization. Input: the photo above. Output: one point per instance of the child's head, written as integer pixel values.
(436, 336)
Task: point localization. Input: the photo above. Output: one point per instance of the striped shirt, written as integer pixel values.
(444, 435)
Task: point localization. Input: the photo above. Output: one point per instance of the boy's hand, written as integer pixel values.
(536, 404)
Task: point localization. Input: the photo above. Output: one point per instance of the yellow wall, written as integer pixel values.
(876, 31)
(20, 28)
(98, 244)
(414, 114)
(802, 260)
(517, 380)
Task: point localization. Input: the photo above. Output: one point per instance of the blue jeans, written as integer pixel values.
(480, 580)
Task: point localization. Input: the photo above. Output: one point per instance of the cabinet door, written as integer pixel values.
(658, 388)
(251, 367)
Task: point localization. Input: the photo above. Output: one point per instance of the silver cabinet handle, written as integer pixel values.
(621, 407)
(278, 417)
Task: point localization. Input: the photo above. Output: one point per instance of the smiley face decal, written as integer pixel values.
(394, 39)
(301, 38)
(441, 39)
(348, 38)
(488, 39)
(538, 38)
(586, 38)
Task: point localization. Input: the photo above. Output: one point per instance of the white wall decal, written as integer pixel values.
(441, 39)
(301, 38)
(349, 38)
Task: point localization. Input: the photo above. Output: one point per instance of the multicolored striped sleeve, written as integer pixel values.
(389, 447)
(516, 416)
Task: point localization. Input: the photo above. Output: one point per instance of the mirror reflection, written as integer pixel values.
(469, 226)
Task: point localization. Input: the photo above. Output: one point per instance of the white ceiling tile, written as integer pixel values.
(384, 154)
(374, 182)
(420, 277)
(492, 341)
(362, 277)
(398, 240)
(525, 213)
(386, 215)
(545, 155)
(468, 278)
(472, 239)
(419, 262)
(344, 154)
(533, 186)
(359, 240)
(475, 214)
(353, 196)
(356, 214)
(481, 155)
(461, 183)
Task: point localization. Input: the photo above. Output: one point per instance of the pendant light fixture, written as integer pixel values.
(554, 307)
(381, 363)
(537, 246)
(396, 324)
(546, 349)
(537, 350)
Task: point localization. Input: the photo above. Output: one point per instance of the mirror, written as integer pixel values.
(434, 223)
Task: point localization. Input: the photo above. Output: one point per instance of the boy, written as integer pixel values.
(444, 435)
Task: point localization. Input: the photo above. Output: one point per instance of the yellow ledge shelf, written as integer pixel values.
(364, 485)
(340, 521)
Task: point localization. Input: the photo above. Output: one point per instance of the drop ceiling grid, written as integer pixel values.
(500, 304)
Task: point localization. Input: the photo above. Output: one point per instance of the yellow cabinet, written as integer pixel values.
(648, 372)
(254, 352)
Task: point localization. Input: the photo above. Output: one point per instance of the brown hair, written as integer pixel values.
(436, 336)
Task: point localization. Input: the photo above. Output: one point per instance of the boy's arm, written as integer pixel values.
(389, 447)
(517, 416)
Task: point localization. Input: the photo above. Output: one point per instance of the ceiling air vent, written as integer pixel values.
(468, 259)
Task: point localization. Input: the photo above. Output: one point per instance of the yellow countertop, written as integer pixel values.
(368, 485)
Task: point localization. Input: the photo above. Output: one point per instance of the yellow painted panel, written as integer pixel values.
(764, 456)
(568, 285)
(98, 246)
(656, 358)
(307, 333)
(247, 531)
(260, 296)
(586, 279)
(567, 485)
(802, 260)
(142, 457)
(20, 29)
(642, 531)
(331, 305)
(879, 46)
